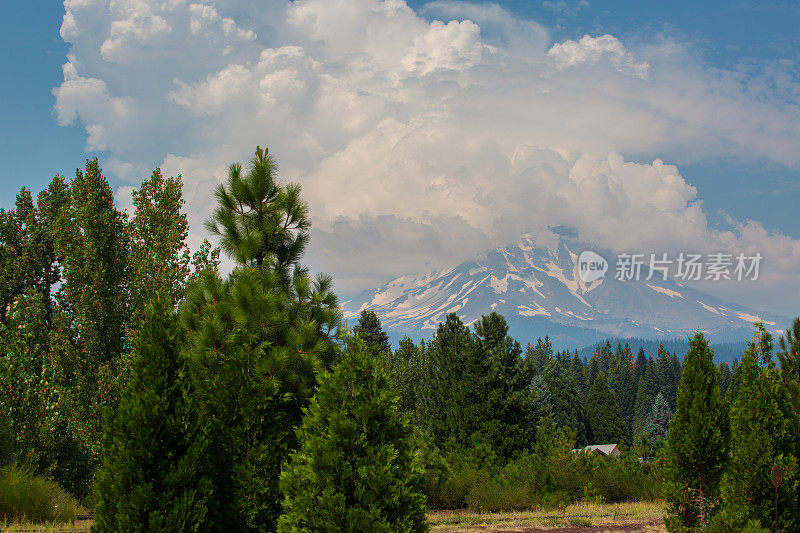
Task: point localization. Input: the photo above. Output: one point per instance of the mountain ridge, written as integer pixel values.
(539, 292)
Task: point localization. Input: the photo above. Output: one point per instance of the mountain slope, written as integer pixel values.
(539, 292)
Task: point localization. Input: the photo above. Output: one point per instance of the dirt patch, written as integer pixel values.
(639, 525)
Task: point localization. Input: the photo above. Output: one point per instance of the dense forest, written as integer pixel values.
(143, 382)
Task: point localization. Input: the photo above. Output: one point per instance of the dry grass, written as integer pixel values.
(80, 526)
(580, 517)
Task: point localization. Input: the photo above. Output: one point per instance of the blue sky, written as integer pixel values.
(750, 45)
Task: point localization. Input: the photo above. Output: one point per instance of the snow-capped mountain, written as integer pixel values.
(539, 291)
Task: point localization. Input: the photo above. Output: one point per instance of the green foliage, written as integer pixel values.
(604, 420)
(25, 393)
(149, 478)
(89, 343)
(537, 357)
(697, 443)
(789, 357)
(255, 343)
(26, 497)
(656, 427)
(355, 469)
(448, 398)
(27, 254)
(549, 475)
(159, 258)
(620, 380)
(370, 331)
(507, 407)
(259, 220)
(403, 367)
(475, 386)
(763, 431)
(564, 401)
(668, 373)
(725, 376)
(646, 390)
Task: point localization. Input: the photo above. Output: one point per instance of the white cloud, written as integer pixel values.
(420, 141)
(595, 50)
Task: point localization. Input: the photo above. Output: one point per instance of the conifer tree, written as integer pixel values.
(604, 420)
(259, 220)
(656, 426)
(564, 400)
(666, 375)
(725, 376)
(789, 357)
(508, 418)
(149, 478)
(256, 342)
(356, 468)
(578, 375)
(620, 379)
(697, 443)
(369, 329)
(646, 391)
(639, 366)
(403, 367)
(763, 432)
(449, 401)
(538, 356)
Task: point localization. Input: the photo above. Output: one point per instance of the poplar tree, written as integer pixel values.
(88, 343)
(159, 257)
(697, 443)
(356, 467)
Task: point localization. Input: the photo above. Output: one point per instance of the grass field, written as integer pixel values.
(576, 518)
(80, 526)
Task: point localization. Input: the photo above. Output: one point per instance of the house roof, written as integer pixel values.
(605, 449)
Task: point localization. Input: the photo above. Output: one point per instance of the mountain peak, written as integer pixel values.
(539, 291)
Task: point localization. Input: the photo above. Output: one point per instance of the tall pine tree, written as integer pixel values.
(764, 431)
(697, 443)
(256, 342)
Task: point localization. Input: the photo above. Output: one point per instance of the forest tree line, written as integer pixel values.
(170, 396)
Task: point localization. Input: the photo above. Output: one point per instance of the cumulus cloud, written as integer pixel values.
(421, 138)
